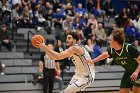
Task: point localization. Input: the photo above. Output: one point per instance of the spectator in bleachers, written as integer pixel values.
(80, 33)
(136, 22)
(59, 47)
(90, 5)
(16, 16)
(38, 19)
(77, 21)
(48, 18)
(26, 17)
(99, 11)
(123, 16)
(113, 27)
(85, 21)
(80, 10)
(92, 19)
(101, 35)
(109, 8)
(134, 11)
(14, 2)
(64, 34)
(58, 19)
(34, 3)
(136, 44)
(127, 22)
(60, 65)
(6, 12)
(90, 30)
(89, 47)
(132, 33)
(96, 48)
(4, 38)
(25, 2)
(69, 10)
(46, 7)
(67, 23)
(55, 5)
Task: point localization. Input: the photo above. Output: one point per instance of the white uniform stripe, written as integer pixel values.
(87, 66)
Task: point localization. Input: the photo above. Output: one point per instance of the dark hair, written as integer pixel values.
(118, 35)
(74, 35)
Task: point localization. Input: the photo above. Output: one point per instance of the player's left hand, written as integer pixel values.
(134, 76)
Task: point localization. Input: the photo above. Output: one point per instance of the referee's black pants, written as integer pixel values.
(49, 75)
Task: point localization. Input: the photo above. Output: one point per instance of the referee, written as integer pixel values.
(47, 66)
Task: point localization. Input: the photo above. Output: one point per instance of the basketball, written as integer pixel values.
(38, 38)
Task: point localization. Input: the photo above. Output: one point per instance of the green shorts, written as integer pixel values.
(127, 83)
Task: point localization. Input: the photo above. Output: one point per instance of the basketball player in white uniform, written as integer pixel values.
(84, 73)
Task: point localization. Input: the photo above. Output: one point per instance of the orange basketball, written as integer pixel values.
(36, 38)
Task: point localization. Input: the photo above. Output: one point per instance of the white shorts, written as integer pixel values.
(79, 83)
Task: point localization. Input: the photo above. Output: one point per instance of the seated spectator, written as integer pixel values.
(90, 29)
(67, 23)
(6, 12)
(99, 11)
(96, 48)
(38, 19)
(123, 17)
(136, 22)
(101, 35)
(26, 17)
(80, 10)
(92, 19)
(89, 47)
(48, 18)
(109, 8)
(77, 21)
(113, 27)
(4, 38)
(134, 11)
(69, 10)
(80, 33)
(132, 33)
(15, 16)
(63, 35)
(58, 19)
(136, 44)
(90, 6)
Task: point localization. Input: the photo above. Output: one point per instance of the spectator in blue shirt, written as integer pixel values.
(132, 33)
(77, 21)
(80, 10)
(58, 18)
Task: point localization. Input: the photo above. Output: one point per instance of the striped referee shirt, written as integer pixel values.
(48, 63)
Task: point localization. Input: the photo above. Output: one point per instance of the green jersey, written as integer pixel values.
(125, 57)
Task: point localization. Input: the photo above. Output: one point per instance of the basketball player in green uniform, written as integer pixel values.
(128, 57)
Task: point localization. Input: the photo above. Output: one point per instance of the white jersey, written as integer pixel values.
(81, 68)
